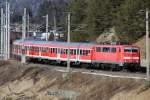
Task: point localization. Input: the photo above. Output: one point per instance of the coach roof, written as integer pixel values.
(40, 42)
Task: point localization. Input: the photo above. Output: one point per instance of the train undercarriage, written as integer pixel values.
(133, 67)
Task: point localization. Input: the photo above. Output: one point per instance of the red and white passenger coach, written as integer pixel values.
(119, 56)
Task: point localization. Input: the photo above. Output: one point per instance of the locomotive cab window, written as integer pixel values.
(127, 50)
(98, 49)
(113, 50)
(106, 49)
(134, 50)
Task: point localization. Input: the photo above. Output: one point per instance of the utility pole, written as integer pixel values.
(55, 27)
(24, 25)
(68, 62)
(6, 33)
(8, 27)
(6, 12)
(23, 58)
(28, 28)
(2, 33)
(147, 44)
(47, 27)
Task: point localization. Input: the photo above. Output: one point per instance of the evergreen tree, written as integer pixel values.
(130, 24)
(99, 16)
(78, 15)
(77, 7)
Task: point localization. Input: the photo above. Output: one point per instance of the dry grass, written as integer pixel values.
(34, 82)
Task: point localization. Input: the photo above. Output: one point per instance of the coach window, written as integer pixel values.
(71, 51)
(88, 52)
(74, 52)
(44, 49)
(35, 48)
(113, 50)
(81, 52)
(26, 48)
(51, 50)
(85, 52)
(106, 49)
(98, 49)
(55, 50)
(48, 50)
(30, 48)
(18, 47)
(62, 51)
(58, 50)
(66, 51)
(38, 49)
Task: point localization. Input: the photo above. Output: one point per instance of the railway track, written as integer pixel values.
(96, 72)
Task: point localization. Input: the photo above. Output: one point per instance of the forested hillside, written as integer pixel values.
(91, 18)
